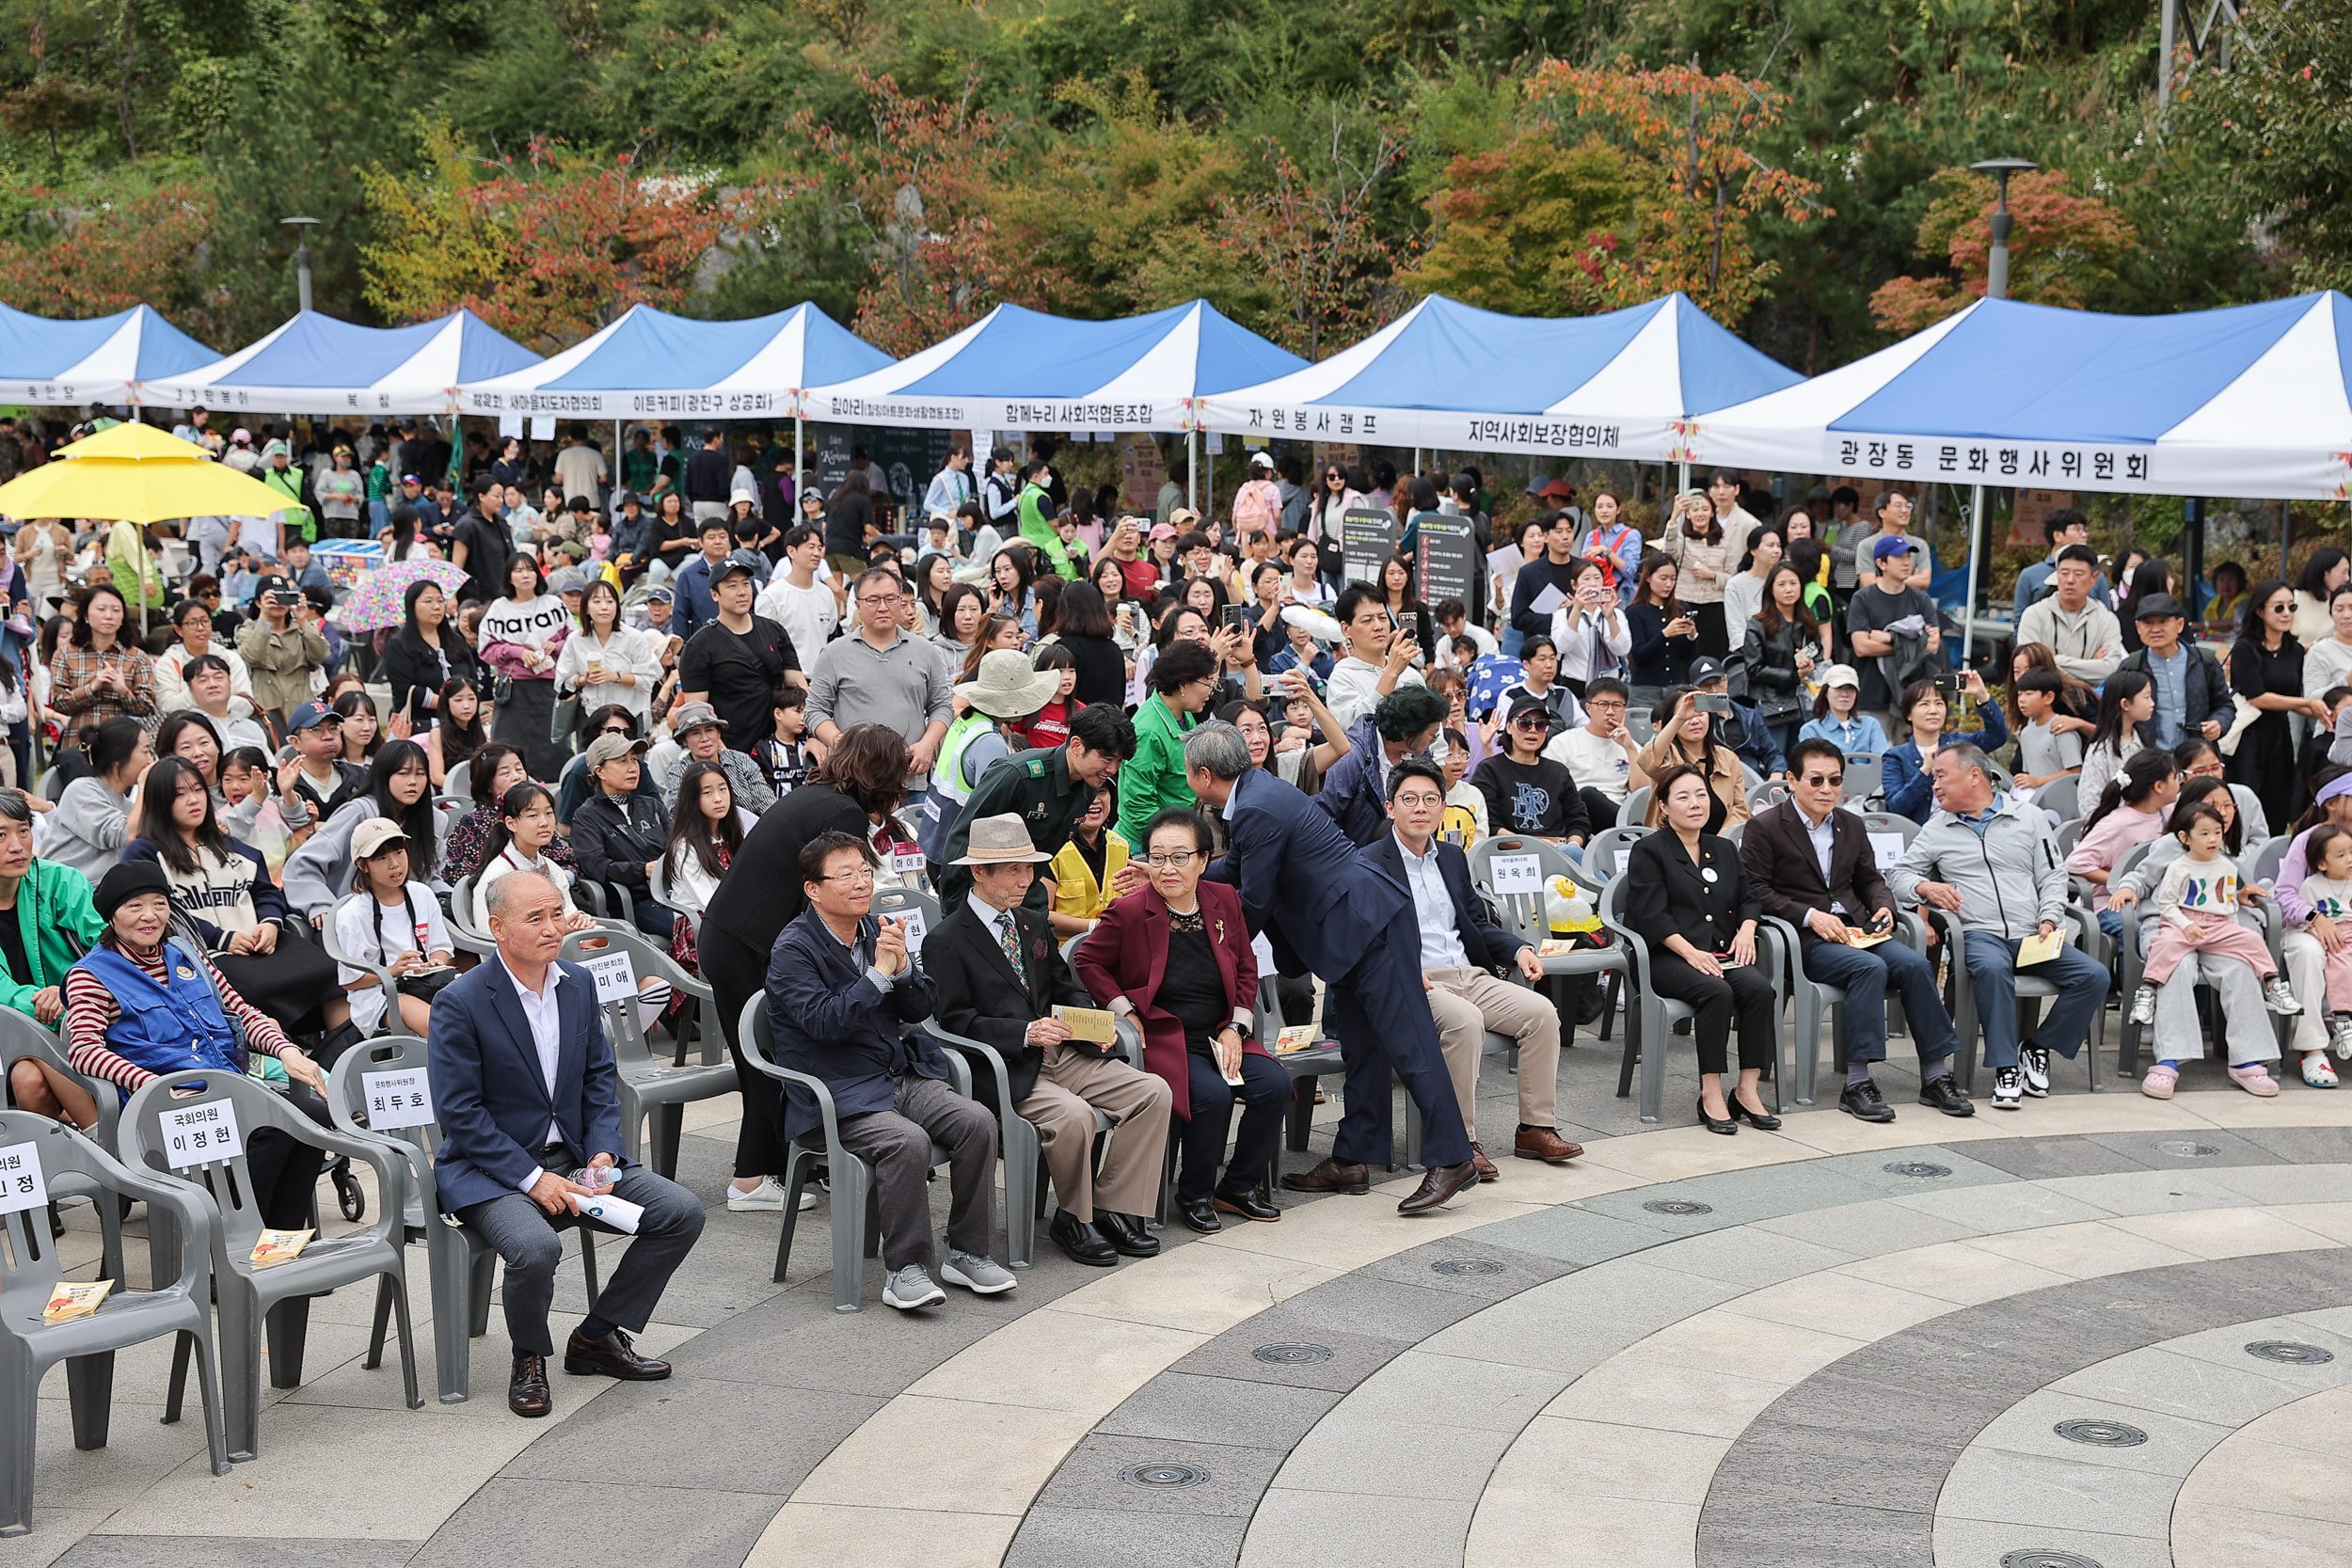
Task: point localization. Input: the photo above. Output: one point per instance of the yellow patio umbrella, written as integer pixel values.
(136, 473)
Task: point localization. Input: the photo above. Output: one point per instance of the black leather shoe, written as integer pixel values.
(1127, 1237)
(1945, 1095)
(1199, 1215)
(1861, 1099)
(1438, 1184)
(1763, 1121)
(1330, 1176)
(1725, 1125)
(1084, 1243)
(613, 1356)
(1251, 1204)
(527, 1390)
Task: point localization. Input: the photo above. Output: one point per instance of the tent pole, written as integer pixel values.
(2286, 526)
(1968, 608)
(1192, 470)
(796, 460)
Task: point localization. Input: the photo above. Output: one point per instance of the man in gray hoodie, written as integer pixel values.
(1989, 858)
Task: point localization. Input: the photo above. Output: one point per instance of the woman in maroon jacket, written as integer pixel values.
(1176, 956)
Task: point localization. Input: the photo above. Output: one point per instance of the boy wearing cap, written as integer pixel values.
(1892, 627)
(735, 661)
(316, 772)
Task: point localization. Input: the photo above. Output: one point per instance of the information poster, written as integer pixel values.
(1368, 536)
(1141, 472)
(1448, 563)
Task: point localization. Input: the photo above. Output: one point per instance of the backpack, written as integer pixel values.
(1257, 507)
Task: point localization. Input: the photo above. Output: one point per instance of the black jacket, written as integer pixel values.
(980, 996)
(613, 840)
(1486, 944)
(1769, 660)
(1668, 895)
(2204, 694)
(415, 673)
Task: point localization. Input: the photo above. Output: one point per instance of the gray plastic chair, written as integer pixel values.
(29, 1269)
(2032, 990)
(1605, 854)
(649, 1087)
(279, 1296)
(660, 883)
(461, 928)
(2061, 794)
(1768, 793)
(1635, 809)
(21, 1038)
(1522, 915)
(2264, 865)
(459, 1263)
(2131, 965)
(1865, 775)
(855, 1216)
(1659, 1014)
(1813, 999)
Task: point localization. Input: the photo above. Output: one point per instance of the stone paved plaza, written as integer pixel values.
(1940, 1343)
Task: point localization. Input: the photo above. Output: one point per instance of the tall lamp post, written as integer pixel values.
(302, 227)
(1995, 286)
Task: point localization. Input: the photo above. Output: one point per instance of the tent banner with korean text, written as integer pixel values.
(316, 364)
(1456, 378)
(104, 359)
(2250, 401)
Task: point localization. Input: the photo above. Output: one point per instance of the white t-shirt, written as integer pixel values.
(1593, 761)
(382, 933)
(1354, 689)
(579, 470)
(809, 614)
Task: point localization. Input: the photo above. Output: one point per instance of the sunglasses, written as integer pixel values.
(1823, 779)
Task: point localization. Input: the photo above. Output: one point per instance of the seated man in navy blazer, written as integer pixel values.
(1326, 907)
(842, 992)
(528, 1098)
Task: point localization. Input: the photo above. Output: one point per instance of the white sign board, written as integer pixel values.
(907, 865)
(616, 978)
(402, 1099)
(543, 427)
(21, 1183)
(1512, 874)
(1887, 848)
(201, 1134)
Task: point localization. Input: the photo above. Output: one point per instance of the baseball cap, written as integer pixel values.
(1261, 460)
(694, 715)
(276, 449)
(1180, 515)
(242, 437)
(312, 715)
(605, 748)
(412, 479)
(370, 838)
(1163, 531)
(1704, 670)
(568, 579)
(1841, 674)
(2154, 606)
(1526, 706)
(664, 594)
(274, 584)
(1892, 545)
(747, 562)
(1559, 489)
(630, 497)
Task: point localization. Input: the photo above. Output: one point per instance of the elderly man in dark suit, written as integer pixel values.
(529, 1104)
(1000, 976)
(1812, 865)
(1329, 910)
(841, 989)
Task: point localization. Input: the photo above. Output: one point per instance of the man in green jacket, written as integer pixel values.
(1035, 509)
(1183, 681)
(47, 922)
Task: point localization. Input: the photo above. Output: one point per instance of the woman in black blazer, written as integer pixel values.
(1688, 898)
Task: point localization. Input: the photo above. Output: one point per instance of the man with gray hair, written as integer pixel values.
(1988, 858)
(1328, 908)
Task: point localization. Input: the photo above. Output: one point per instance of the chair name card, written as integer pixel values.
(70, 1300)
(1623, 856)
(21, 1185)
(1510, 874)
(913, 920)
(1886, 848)
(909, 865)
(615, 976)
(200, 1135)
(402, 1099)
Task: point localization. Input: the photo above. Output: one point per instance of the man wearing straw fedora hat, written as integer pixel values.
(1006, 689)
(1001, 980)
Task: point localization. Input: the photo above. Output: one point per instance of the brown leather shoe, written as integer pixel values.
(1437, 1184)
(1542, 1143)
(613, 1356)
(527, 1391)
(1486, 1171)
(1329, 1176)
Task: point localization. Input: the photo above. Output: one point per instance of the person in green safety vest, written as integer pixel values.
(1036, 509)
(1008, 689)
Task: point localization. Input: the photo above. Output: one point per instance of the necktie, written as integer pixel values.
(1008, 940)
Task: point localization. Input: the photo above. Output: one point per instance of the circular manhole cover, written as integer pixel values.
(1677, 1206)
(1163, 1475)
(2031, 1558)
(1293, 1356)
(1465, 1265)
(1917, 1167)
(2180, 1148)
(2102, 1435)
(2290, 1352)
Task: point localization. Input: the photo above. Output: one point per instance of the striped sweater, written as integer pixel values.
(90, 1011)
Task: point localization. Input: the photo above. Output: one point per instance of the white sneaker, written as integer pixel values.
(2339, 1038)
(2009, 1088)
(982, 1276)
(911, 1288)
(768, 1198)
(2280, 997)
(2036, 1062)
(2144, 1005)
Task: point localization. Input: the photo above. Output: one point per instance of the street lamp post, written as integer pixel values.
(1995, 286)
(302, 227)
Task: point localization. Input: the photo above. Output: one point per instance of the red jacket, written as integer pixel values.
(1126, 955)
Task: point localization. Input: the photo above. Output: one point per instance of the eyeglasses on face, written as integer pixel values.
(852, 878)
(1172, 859)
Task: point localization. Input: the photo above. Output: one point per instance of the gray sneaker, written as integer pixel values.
(982, 1276)
(911, 1288)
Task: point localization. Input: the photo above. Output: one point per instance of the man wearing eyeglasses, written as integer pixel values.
(882, 675)
(1812, 865)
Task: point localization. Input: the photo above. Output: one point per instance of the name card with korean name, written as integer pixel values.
(21, 1185)
(616, 978)
(201, 1134)
(1511, 873)
(402, 1098)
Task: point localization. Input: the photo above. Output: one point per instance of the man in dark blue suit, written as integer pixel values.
(528, 1098)
(1326, 906)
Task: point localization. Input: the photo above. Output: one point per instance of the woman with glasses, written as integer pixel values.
(2200, 758)
(2266, 669)
(1176, 956)
(1526, 791)
(1340, 490)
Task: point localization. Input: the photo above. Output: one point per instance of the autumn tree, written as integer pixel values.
(85, 258)
(2062, 249)
(1694, 136)
(1313, 235)
(1526, 227)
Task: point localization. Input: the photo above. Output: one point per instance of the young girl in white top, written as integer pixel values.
(2329, 890)
(397, 924)
(520, 843)
(2196, 903)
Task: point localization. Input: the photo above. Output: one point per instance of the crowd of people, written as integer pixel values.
(1141, 763)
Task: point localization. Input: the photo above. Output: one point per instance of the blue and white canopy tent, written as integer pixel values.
(104, 359)
(314, 364)
(1447, 375)
(2253, 400)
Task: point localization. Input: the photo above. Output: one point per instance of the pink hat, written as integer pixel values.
(1163, 531)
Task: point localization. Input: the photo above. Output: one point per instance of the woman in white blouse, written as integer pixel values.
(607, 662)
(1590, 631)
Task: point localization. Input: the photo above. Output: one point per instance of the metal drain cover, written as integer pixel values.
(1677, 1206)
(2101, 1435)
(1163, 1475)
(1465, 1265)
(2180, 1148)
(2288, 1351)
(1293, 1356)
(1917, 1167)
(2030, 1558)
